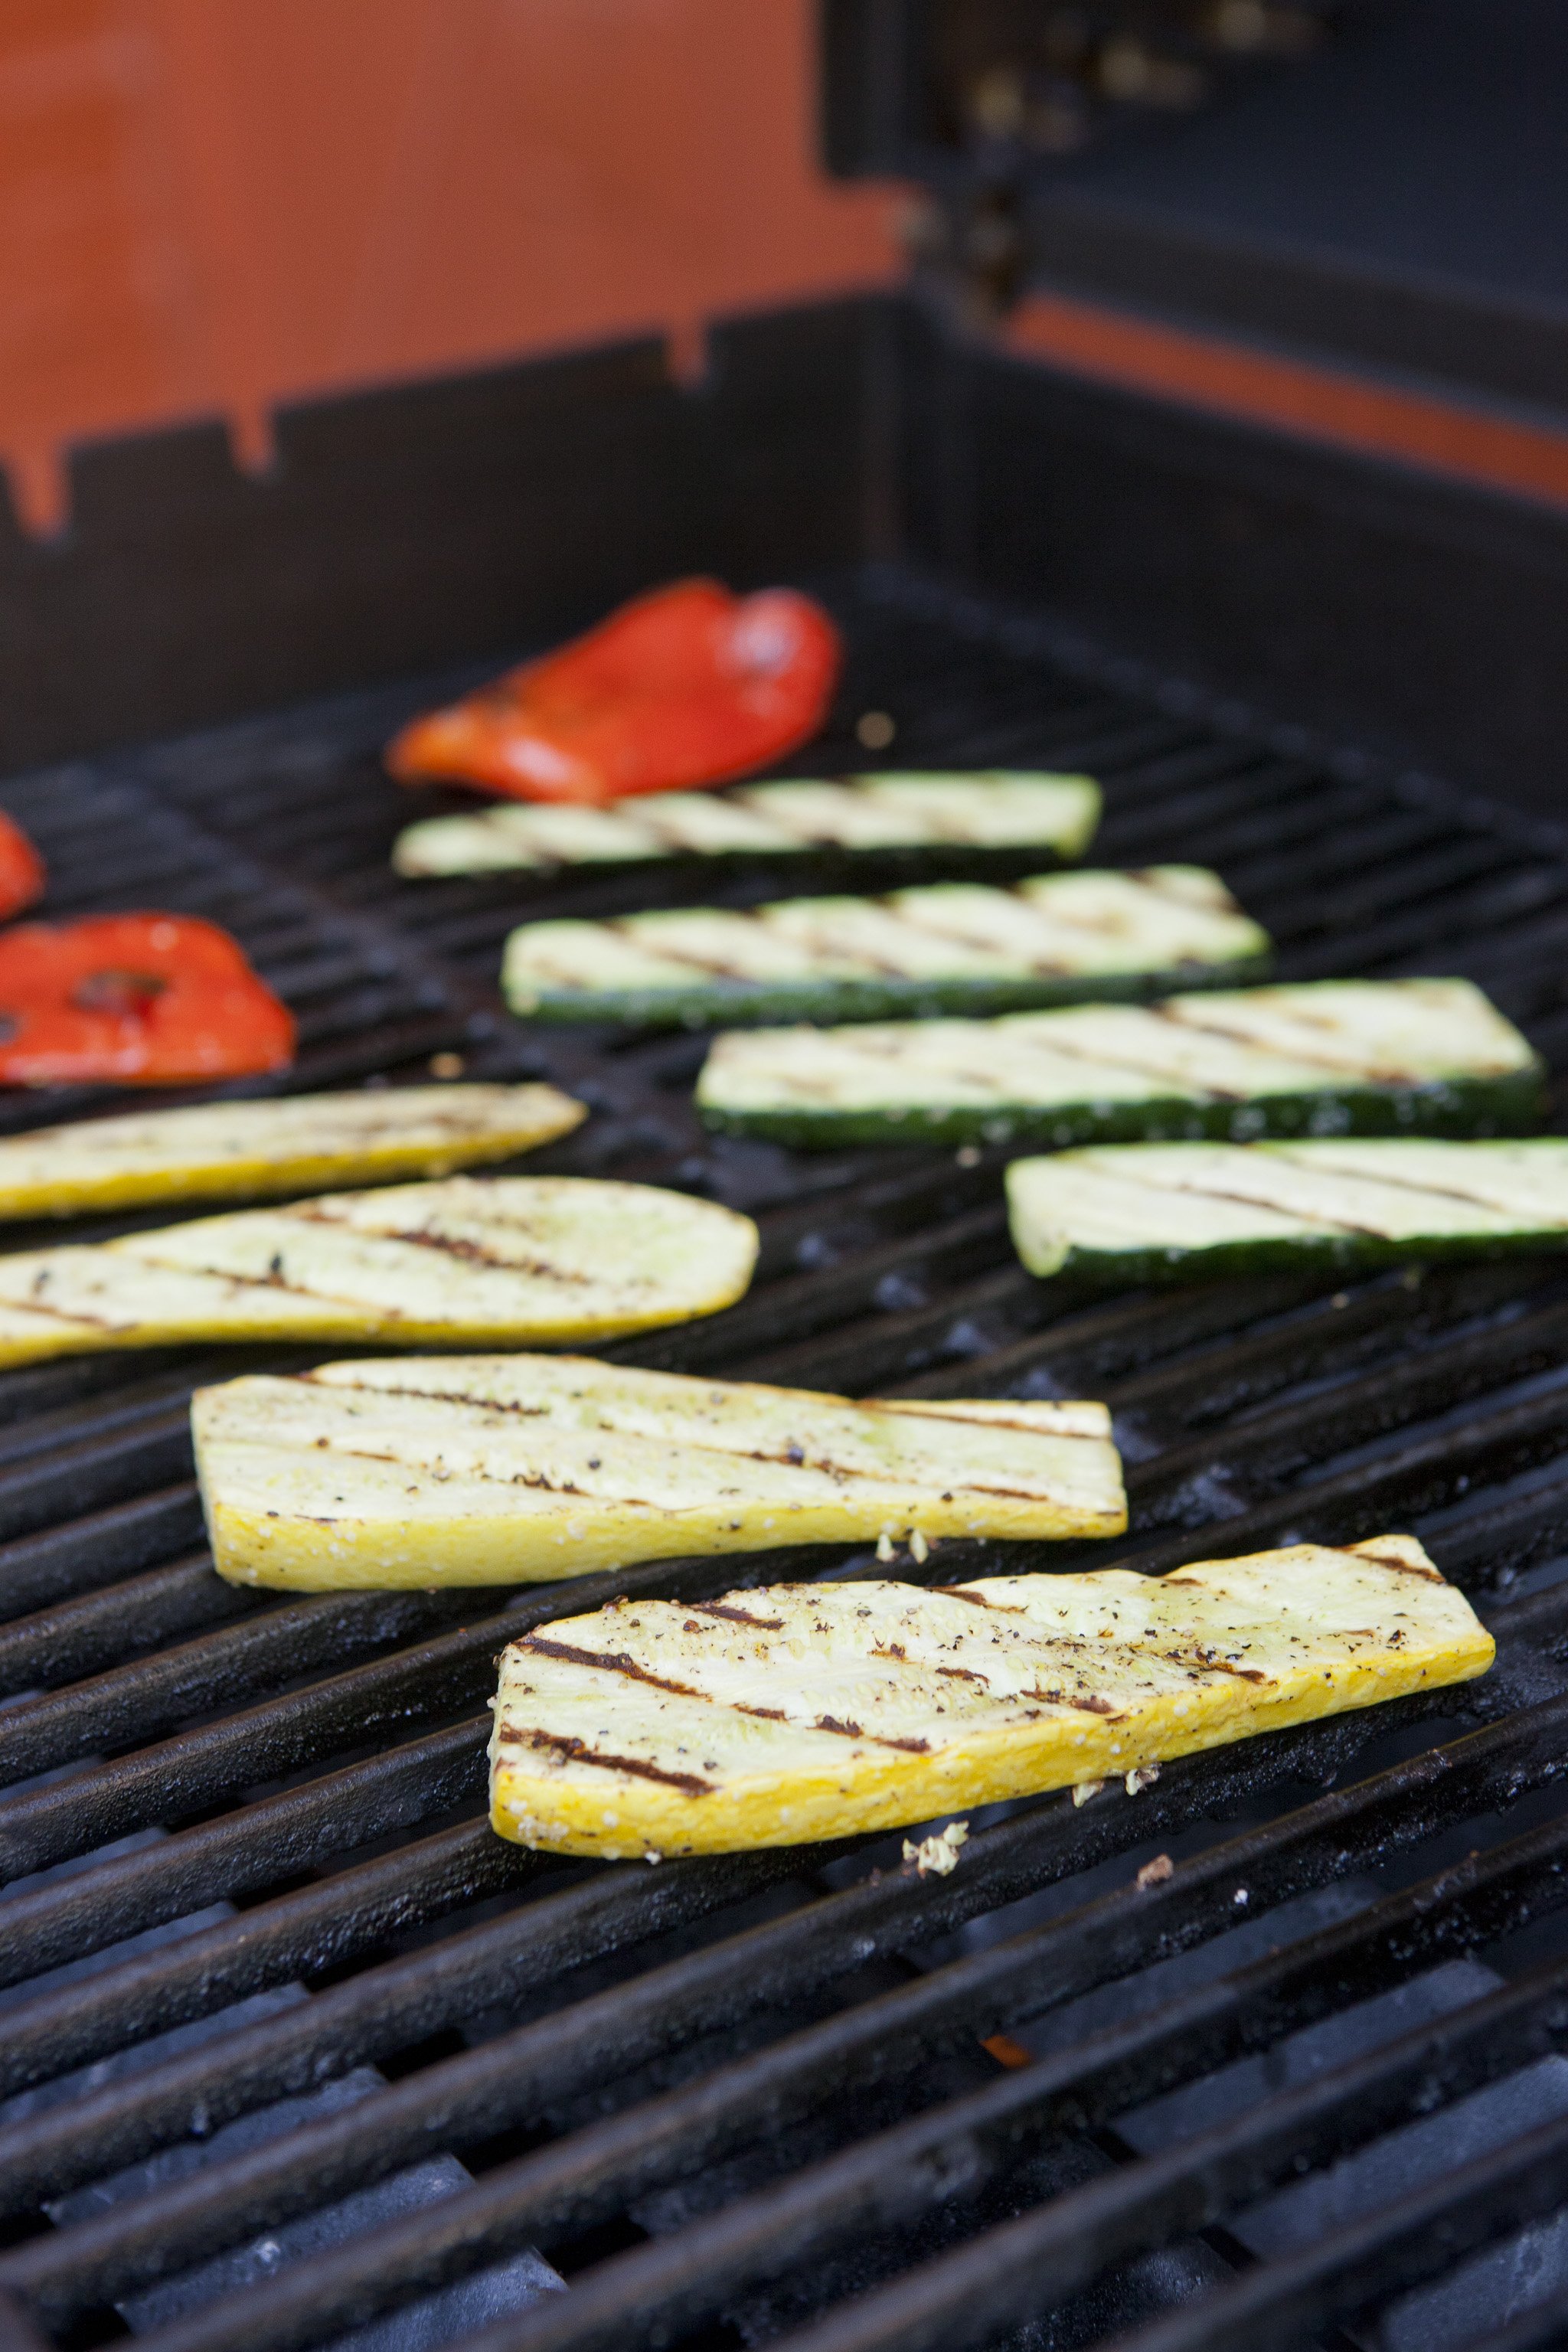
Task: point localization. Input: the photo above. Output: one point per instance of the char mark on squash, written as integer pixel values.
(615, 1662)
(1391, 1560)
(1212, 1665)
(474, 1254)
(878, 1740)
(738, 1616)
(957, 1592)
(573, 1750)
(35, 1306)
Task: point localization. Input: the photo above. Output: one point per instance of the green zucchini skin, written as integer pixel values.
(719, 1004)
(1511, 1103)
(1328, 1255)
(813, 868)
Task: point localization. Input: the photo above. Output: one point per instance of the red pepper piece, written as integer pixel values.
(21, 870)
(151, 1000)
(687, 686)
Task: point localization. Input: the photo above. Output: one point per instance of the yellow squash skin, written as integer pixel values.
(794, 1713)
(503, 1260)
(296, 1143)
(519, 1469)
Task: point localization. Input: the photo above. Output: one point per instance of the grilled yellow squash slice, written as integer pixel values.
(506, 1260)
(806, 1711)
(296, 1144)
(511, 1469)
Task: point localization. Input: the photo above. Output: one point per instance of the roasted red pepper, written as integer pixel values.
(21, 870)
(151, 1000)
(687, 686)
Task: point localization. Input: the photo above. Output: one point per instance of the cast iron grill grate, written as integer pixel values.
(292, 2047)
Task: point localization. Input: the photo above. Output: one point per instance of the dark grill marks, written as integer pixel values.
(1213, 1665)
(1423, 1187)
(618, 1662)
(473, 1254)
(1394, 1559)
(878, 1740)
(573, 1750)
(1353, 1073)
(1301, 849)
(738, 1616)
(977, 1601)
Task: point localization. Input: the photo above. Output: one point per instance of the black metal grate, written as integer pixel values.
(293, 2047)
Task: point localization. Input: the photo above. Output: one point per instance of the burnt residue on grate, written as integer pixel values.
(292, 2049)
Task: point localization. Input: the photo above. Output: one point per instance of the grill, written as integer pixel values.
(294, 2053)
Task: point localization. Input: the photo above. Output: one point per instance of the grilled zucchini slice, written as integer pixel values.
(513, 1469)
(951, 947)
(505, 1260)
(1144, 1211)
(985, 814)
(806, 1711)
(1331, 1057)
(294, 1144)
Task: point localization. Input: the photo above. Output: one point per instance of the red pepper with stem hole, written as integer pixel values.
(21, 870)
(689, 686)
(150, 1000)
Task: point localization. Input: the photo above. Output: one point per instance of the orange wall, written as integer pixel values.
(219, 203)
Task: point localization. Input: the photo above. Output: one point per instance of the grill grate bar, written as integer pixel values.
(89, 1911)
(216, 1669)
(101, 1471)
(199, 1769)
(1396, 2247)
(1293, 1437)
(1327, 1336)
(1408, 1483)
(1250, 1411)
(898, 2176)
(84, 1555)
(319, 1926)
(1544, 2328)
(81, 1637)
(804, 1303)
(508, 2081)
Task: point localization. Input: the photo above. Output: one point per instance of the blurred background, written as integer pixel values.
(215, 204)
(208, 206)
(1240, 337)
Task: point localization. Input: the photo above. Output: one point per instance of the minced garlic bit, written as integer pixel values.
(1155, 1872)
(918, 1547)
(935, 1857)
(1141, 1777)
(1085, 1789)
